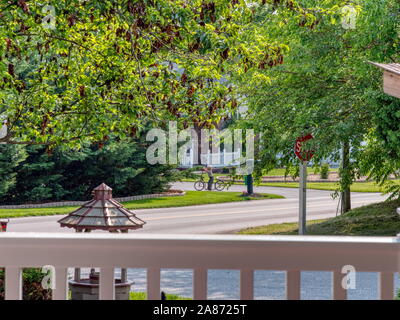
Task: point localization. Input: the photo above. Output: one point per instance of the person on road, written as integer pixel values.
(209, 172)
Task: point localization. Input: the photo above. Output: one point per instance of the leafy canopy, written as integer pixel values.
(325, 86)
(111, 66)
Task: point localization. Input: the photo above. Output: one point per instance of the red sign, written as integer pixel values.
(298, 148)
(3, 226)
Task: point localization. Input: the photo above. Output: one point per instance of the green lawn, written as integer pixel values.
(281, 171)
(378, 219)
(277, 229)
(194, 198)
(143, 296)
(331, 186)
(272, 173)
(190, 199)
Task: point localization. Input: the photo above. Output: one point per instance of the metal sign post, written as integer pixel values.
(304, 156)
(303, 198)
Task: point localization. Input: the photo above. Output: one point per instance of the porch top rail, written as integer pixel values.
(322, 253)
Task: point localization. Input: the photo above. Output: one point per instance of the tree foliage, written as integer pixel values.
(108, 66)
(10, 158)
(326, 86)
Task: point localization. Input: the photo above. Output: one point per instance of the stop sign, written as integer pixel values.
(303, 155)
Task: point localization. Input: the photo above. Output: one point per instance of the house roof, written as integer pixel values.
(391, 67)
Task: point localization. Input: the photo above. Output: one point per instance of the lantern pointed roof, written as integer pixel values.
(102, 187)
(102, 213)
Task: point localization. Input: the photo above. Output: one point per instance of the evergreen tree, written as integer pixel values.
(69, 174)
(38, 178)
(10, 157)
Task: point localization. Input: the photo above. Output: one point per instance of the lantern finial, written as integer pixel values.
(102, 192)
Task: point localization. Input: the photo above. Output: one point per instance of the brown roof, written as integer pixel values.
(391, 67)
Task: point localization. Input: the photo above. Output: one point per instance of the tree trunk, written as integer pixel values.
(197, 151)
(346, 196)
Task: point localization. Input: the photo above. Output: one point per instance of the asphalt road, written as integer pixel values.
(219, 218)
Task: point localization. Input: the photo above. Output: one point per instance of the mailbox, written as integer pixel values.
(391, 78)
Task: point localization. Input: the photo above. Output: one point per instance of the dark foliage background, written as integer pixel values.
(32, 174)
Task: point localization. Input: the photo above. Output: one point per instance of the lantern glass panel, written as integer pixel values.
(80, 212)
(71, 220)
(108, 204)
(93, 222)
(119, 222)
(115, 213)
(95, 212)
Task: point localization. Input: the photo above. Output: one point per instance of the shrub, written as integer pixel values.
(32, 287)
(325, 171)
(226, 170)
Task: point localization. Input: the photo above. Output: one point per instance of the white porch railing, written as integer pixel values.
(219, 159)
(292, 254)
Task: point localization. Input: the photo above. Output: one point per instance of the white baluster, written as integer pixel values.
(60, 291)
(153, 284)
(386, 286)
(246, 284)
(200, 284)
(339, 293)
(13, 283)
(293, 285)
(107, 285)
